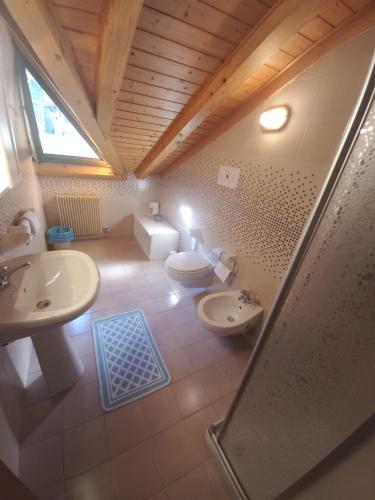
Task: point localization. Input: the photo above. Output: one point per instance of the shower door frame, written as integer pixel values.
(216, 432)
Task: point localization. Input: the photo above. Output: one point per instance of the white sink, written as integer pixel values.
(225, 314)
(58, 287)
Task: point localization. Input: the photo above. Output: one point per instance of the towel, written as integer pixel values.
(32, 219)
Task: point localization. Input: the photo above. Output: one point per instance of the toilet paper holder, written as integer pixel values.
(229, 259)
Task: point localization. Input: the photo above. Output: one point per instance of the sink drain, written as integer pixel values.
(42, 304)
(230, 319)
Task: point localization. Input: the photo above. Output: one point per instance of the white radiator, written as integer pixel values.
(82, 213)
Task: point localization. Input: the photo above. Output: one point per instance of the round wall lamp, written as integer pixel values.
(275, 118)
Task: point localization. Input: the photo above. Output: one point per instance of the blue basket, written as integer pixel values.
(60, 234)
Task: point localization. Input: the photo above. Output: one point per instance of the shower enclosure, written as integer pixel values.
(305, 407)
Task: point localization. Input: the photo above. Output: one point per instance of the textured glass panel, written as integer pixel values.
(313, 383)
(57, 135)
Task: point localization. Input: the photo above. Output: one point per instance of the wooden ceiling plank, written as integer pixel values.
(152, 102)
(279, 60)
(141, 118)
(336, 13)
(78, 20)
(203, 16)
(185, 34)
(145, 76)
(53, 50)
(349, 29)
(118, 31)
(153, 91)
(143, 128)
(250, 14)
(136, 132)
(145, 110)
(316, 29)
(166, 67)
(93, 6)
(296, 45)
(280, 24)
(357, 5)
(175, 52)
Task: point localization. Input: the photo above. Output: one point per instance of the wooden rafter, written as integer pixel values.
(353, 27)
(277, 26)
(38, 24)
(119, 27)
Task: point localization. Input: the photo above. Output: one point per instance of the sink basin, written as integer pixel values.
(224, 314)
(58, 287)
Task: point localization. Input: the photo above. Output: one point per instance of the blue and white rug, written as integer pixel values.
(128, 360)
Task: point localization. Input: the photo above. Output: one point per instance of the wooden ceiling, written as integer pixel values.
(160, 75)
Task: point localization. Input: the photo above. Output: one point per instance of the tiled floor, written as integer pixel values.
(153, 448)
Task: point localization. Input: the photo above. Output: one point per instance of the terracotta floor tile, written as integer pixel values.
(197, 424)
(195, 485)
(178, 364)
(126, 427)
(179, 316)
(136, 473)
(104, 301)
(41, 464)
(42, 421)
(218, 484)
(176, 453)
(191, 333)
(160, 409)
(85, 447)
(96, 484)
(161, 495)
(222, 405)
(200, 355)
(167, 340)
(158, 322)
(235, 367)
(117, 286)
(215, 382)
(190, 395)
(53, 492)
(80, 404)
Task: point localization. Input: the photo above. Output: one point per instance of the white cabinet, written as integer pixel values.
(156, 238)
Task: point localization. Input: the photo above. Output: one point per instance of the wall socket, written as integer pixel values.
(228, 176)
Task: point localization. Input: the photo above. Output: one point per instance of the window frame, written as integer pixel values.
(42, 157)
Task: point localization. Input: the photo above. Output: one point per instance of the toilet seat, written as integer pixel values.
(190, 269)
(187, 263)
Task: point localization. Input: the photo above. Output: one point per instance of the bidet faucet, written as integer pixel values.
(6, 272)
(247, 298)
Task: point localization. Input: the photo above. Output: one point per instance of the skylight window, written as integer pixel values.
(55, 137)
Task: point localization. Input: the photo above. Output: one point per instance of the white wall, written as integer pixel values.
(15, 359)
(281, 173)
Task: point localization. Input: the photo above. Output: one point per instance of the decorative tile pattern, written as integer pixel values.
(128, 360)
(99, 187)
(262, 219)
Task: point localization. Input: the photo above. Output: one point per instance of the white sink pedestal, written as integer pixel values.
(60, 364)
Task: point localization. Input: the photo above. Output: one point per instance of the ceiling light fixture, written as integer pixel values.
(274, 118)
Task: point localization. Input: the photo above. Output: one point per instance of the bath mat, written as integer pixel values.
(127, 358)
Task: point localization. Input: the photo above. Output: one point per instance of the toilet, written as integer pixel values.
(190, 269)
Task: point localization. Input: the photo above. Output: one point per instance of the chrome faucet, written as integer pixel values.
(247, 297)
(6, 272)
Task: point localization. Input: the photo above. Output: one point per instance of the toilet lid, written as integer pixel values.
(187, 262)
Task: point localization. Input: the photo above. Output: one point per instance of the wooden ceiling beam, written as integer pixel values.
(283, 21)
(119, 25)
(38, 25)
(353, 27)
